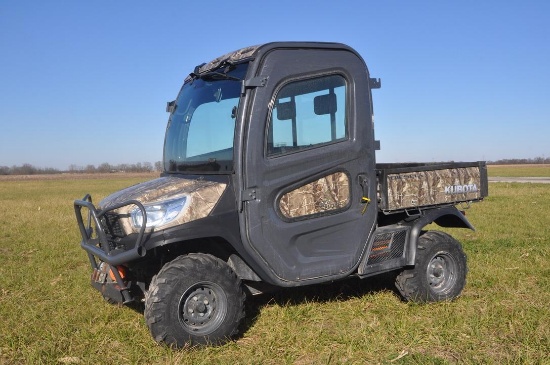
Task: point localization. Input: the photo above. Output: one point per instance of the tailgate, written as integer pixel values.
(411, 186)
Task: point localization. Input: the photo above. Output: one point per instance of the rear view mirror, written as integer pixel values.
(325, 104)
(286, 111)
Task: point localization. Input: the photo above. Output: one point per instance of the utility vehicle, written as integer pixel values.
(270, 181)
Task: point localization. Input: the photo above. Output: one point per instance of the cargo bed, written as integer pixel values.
(411, 186)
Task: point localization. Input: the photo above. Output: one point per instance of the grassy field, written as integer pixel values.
(542, 170)
(51, 315)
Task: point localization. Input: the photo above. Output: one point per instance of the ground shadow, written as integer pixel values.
(320, 293)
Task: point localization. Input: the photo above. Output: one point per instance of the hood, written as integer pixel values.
(202, 196)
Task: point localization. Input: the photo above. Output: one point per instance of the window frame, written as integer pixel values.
(298, 78)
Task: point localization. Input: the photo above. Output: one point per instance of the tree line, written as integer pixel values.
(521, 161)
(28, 169)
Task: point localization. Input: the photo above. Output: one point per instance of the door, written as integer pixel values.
(308, 161)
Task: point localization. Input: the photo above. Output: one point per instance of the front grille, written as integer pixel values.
(387, 246)
(112, 225)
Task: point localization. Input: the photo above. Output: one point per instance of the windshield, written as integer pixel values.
(200, 131)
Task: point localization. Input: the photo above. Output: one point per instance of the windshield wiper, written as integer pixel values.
(210, 165)
(213, 75)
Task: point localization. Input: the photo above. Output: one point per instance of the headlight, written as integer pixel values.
(158, 213)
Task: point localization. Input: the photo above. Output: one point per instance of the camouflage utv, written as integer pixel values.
(270, 181)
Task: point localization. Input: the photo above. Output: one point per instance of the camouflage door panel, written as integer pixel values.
(329, 193)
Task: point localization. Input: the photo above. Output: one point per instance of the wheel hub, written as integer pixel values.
(441, 272)
(437, 271)
(200, 310)
(199, 304)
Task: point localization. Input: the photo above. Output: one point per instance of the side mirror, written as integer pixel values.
(170, 106)
(375, 83)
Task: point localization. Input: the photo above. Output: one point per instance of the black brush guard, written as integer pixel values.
(98, 247)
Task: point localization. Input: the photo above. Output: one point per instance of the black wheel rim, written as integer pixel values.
(441, 273)
(202, 308)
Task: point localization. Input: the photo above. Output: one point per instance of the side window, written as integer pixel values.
(307, 114)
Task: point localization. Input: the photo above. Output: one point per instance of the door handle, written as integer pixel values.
(364, 183)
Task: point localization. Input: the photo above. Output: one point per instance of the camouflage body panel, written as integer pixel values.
(331, 192)
(232, 57)
(202, 196)
(426, 188)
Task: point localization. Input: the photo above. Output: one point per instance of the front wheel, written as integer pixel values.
(194, 299)
(439, 272)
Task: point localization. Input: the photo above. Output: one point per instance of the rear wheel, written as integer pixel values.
(194, 299)
(439, 272)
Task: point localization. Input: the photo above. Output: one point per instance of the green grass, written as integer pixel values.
(542, 170)
(51, 315)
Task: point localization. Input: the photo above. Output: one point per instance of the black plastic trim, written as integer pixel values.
(450, 216)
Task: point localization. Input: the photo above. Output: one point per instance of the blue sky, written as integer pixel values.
(85, 82)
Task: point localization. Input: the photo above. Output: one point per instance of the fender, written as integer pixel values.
(448, 216)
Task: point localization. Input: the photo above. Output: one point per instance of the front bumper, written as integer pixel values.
(104, 254)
